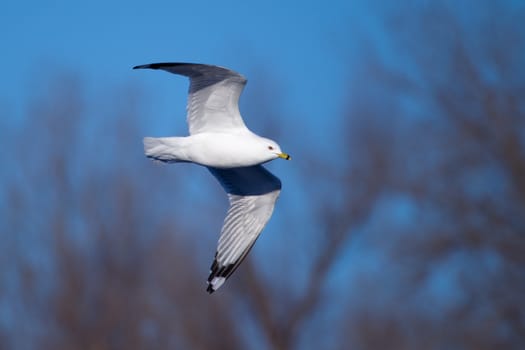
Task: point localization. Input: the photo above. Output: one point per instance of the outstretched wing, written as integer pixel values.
(213, 100)
(252, 192)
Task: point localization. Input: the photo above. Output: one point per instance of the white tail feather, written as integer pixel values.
(163, 149)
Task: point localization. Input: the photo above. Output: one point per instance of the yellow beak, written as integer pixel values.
(284, 156)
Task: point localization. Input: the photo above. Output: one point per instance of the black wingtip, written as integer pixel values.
(210, 289)
(161, 65)
(142, 66)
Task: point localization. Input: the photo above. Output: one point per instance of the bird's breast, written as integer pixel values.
(225, 150)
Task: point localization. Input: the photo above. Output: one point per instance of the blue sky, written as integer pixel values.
(102, 40)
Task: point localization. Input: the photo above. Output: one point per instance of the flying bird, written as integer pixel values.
(220, 141)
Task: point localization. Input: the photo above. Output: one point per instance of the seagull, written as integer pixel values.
(220, 141)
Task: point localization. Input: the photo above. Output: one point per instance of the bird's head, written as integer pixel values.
(275, 150)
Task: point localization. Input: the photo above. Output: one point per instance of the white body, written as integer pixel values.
(218, 150)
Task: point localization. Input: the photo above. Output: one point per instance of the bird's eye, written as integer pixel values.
(270, 148)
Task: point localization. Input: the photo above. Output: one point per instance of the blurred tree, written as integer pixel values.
(411, 239)
(446, 143)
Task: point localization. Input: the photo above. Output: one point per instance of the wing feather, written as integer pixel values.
(252, 192)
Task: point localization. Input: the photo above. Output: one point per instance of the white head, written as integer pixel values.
(273, 149)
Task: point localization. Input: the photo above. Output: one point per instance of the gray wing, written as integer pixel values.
(212, 98)
(252, 192)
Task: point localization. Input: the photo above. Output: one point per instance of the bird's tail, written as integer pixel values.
(163, 149)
